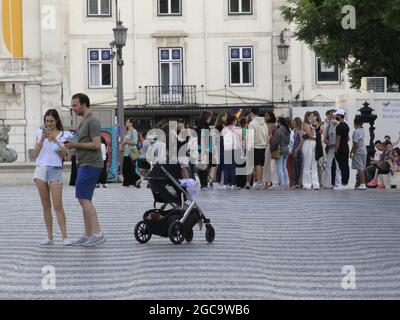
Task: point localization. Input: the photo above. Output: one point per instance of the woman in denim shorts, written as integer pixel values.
(50, 151)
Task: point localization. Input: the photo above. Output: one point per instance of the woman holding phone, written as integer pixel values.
(49, 152)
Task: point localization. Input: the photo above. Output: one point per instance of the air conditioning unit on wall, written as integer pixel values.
(373, 84)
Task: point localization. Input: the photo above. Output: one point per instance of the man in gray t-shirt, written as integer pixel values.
(87, 129)
(358, 138)
(90, 162)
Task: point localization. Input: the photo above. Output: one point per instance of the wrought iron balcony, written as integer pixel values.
(170, 95)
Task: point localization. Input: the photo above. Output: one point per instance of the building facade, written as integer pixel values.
(181, 57)
(33, 70)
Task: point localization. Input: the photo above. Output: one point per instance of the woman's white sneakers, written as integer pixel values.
(48, 242)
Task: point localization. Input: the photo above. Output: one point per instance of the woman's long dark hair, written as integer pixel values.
(132, 122)
(54, 113)
(318, 116)
(205, 116)
(272, 117)
(284, 122)
(231, 120)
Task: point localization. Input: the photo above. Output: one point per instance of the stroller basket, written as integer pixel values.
(159, 222)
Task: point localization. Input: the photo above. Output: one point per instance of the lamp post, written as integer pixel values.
(368, 117)
(283, 48)
(283, 54)
(120, 35)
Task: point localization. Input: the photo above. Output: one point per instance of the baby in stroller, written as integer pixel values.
(176, 223)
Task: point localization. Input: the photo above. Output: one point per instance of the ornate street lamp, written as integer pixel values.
(368, 117)
(283, 54)
(120, 35)
(283, 48)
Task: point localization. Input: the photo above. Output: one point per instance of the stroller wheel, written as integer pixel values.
(142, 233)
(175, 233)
(210, 233)
(188, 235)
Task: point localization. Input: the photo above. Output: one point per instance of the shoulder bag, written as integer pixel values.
(275, 155)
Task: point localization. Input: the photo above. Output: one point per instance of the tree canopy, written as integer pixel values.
(372, 49)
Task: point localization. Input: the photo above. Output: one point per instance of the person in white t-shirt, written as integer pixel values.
(50, 152)
(232, 135)
(158, 151)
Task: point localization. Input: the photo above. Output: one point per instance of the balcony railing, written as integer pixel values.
(170, 95)
(13, 67)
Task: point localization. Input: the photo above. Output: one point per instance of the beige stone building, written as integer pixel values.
(181, 56)
(33, 69)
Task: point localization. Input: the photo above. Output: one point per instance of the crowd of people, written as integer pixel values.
(284, 153)
(287, 153)
(258, 151)
(385, 161)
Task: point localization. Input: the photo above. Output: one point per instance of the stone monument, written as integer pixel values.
(6, 155)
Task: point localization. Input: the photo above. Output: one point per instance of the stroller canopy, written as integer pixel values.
(166, 189)
(158, 174)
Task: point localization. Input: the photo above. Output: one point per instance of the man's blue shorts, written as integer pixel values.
(86, 182)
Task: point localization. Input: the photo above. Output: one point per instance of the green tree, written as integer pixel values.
(372, 49)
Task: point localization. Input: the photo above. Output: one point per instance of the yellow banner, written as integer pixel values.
(12, 27)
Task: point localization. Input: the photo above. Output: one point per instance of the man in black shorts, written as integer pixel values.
(342, 153)
(261, 136)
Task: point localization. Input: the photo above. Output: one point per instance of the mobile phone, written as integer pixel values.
(45, 130)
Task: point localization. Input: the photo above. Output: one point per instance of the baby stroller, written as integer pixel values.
(176, 223)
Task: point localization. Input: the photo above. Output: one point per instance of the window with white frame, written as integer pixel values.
(241, 66)
(240, 6)
(100, 68)
(171, 67)
(326, 74)
(169, 7)
(99, 8)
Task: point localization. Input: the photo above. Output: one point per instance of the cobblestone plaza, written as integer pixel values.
(269, 245)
